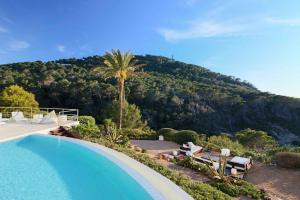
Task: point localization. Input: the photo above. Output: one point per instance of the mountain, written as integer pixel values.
(170, 94)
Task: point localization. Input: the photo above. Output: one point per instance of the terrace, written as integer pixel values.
(22, 121)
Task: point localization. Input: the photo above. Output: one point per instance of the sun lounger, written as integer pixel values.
(37, 118)
(17, 116)
(240, 163)
(190, 148)
(50, 118)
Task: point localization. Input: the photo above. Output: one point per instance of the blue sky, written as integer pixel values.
(255, 40)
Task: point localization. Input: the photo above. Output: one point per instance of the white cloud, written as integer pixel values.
(199, 29)
(286, 21)
(61, 48)
(18, 45)
(3, 30)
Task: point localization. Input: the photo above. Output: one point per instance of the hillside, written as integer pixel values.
(169, 93)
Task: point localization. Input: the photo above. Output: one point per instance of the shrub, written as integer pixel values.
(185, 136)
(239, 188)
(224, 142)
(137, 133)
(85, 120)
(83, 130)
(112, 133)
(87, 126)
(190, 163)
(288, 160)
(260, 156)
(168, 133)
(258, 140)
(297, 150)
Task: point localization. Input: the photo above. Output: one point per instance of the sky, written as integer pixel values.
(255, 40)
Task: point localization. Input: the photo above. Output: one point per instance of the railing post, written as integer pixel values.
(77, 113)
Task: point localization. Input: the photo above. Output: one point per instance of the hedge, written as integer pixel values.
(288, 160)
(168, 133)
(185, 136)
(86, 120)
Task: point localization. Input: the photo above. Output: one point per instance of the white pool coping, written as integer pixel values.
(14, 130)
(158, 186)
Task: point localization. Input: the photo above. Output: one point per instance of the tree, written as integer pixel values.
(16, 96)
(120, 66)
(132, 124)
(258, 140)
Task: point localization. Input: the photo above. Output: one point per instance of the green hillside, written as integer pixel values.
(169, 93)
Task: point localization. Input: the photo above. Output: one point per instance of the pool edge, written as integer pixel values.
(157, 185)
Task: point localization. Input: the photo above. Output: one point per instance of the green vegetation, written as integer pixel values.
(189, 162)
(169, 94)
(180, 137)
(16, 96)
(87, 126)
(239, 188)
(185, 136)
(224, 141)
(132, 124)
(198, 190)
(258, 140)
(111, 132)
(86, 120)
(168, 133)
(288, 160)
(120, 66)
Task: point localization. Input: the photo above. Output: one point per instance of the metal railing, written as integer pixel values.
(28, 112)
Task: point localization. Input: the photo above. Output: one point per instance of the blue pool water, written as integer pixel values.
(47, 168)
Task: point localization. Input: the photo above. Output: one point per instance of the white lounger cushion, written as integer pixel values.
(37, 118)
(17, 116)
(50, 118)
(194, 148)
(240, 160)
(190, 148)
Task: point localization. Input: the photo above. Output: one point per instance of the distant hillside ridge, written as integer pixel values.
(170, 94)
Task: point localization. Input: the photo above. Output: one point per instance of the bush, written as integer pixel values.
(168, 133)
(86, 120)
(239, 188)
(185, 136)
(145, 133)
(224, 142)
(288, 160)
(87, 126)
(257, 140)
(190, 163)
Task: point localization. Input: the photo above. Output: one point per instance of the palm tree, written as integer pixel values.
(120, 66)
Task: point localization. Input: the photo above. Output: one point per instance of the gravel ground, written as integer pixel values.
(279, 183)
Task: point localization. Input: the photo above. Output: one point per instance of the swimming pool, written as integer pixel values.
(45, 167)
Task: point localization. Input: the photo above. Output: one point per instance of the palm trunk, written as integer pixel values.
(121, 102)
